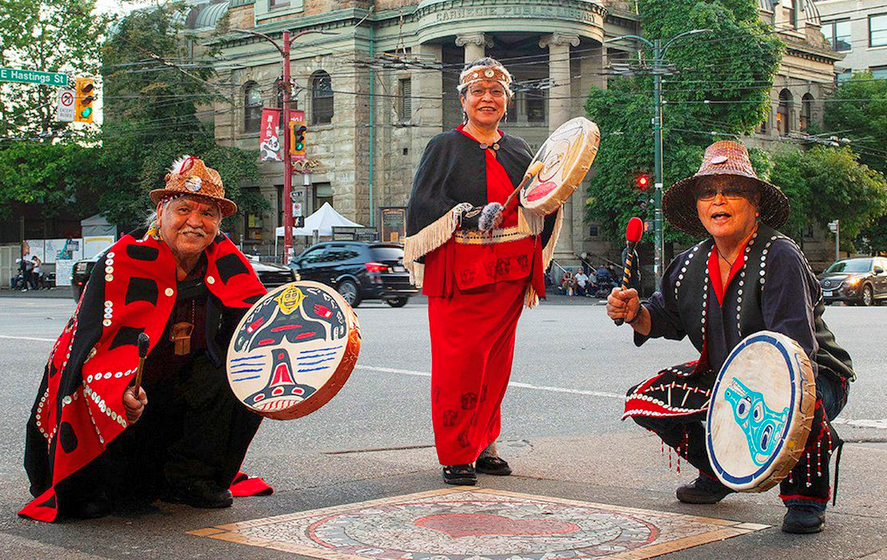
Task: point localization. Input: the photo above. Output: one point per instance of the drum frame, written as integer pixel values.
(793, 439)
(336, 381)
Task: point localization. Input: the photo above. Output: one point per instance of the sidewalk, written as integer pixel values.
(60, 292)
(621, 476)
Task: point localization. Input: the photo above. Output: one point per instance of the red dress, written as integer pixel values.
(473, 326)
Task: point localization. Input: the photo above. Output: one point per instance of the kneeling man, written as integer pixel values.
(90, 440)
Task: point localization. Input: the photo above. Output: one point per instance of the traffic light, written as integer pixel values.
(642, 182)
(297, 138)
(84, 96)
(643, 203)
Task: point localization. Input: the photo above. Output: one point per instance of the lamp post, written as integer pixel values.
(658, 70)
(284, 49)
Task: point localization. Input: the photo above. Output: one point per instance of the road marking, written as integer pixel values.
(27, 338)
(861, 423)
(511, 384)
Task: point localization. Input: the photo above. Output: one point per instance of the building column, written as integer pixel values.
(475, 45)
(559, 112)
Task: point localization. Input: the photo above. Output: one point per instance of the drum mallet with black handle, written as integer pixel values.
(493, 211)
(144, 342)
(633, 232)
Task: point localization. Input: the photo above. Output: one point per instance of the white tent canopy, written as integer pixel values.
(321, 221)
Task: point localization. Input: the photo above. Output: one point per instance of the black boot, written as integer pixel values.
(803, 519)
(200, 494)
(703, 490)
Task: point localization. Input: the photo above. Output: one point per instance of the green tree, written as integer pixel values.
(153, 110)
(723, 83)
(46, 35)
(858, 111)
(826, 184)
(55, 176)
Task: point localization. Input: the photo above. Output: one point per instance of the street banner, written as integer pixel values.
(269, 140)
(297, 116)
(65, 108)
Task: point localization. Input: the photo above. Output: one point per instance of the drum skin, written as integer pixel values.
(293, 350)
(567, 156)
(761, 412)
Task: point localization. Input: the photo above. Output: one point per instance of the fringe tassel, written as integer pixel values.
(531, 298)
(548, 251)
(430, 238)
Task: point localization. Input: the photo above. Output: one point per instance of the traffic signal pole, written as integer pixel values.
(658, 69)
(284, 50)
(287, 157)
(659, 248)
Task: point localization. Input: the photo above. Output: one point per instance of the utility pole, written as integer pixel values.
(658, 70)
(284, 50)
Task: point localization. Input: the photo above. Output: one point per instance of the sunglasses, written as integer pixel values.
(707, 193)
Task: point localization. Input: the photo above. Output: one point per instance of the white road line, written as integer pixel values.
(27, 338)
(512, 384)
(860, 423)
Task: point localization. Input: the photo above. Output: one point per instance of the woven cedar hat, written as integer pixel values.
(724, 159)
(190, 176)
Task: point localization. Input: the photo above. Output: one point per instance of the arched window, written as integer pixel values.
(806, 111)
(784, 113)
(252, 108)
(321, 98)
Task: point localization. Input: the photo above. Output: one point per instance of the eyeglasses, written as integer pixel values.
(707, 194)
(479, 91)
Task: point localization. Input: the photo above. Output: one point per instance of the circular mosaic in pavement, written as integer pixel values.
(461, 524)
(483, 526)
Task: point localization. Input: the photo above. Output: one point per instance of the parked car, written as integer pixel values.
(358, 270)
(271, 275)
(861, 281)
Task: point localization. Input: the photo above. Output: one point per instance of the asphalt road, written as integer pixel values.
(571, 368)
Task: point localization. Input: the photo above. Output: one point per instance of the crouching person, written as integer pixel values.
(91, 441)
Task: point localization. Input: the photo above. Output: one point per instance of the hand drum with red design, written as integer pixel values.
(566, 156)
(293, 350)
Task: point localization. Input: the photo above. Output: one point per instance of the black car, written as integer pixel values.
(861, 281)
(271, 275)
(358, 270)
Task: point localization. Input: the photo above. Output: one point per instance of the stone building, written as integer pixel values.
(382, 82)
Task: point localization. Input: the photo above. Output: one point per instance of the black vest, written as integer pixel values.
(693, 280)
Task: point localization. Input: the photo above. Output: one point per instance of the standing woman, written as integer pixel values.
(477, 282)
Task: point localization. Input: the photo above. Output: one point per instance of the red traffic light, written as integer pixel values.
(643, 182)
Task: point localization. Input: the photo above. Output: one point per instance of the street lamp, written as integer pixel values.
(284, 50)
(658, 70)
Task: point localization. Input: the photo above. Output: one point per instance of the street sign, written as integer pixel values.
(833, 226)
(33, 77)
(297, 208)
(65, 107)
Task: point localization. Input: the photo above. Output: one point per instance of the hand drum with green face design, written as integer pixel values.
(761, 412)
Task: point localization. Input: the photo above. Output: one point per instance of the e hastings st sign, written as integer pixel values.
(33, 77)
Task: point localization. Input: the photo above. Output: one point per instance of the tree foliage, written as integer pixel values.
(722, 85)
(826, 184)
(859, 112)
(49, 36)
(863, 120)
(51, 175)
(154, 106)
